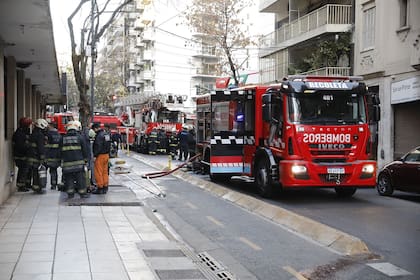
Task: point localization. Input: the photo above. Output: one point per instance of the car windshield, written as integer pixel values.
(327, 108)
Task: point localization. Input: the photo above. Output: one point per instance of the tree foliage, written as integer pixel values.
(94, 33)
(220, 21)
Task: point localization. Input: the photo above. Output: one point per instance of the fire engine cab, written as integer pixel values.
(307, 131)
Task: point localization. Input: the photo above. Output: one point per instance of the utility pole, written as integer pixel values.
(92, 57)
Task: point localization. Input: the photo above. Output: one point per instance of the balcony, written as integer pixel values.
(139, 79)
(139, 25)
(205, 71)
(269, 6)
(148, 35)
(147, 75)
(139, 42)
(147, 55)
(148, 91)
(132, 66)
(327, 19)
(205, 51)
(329, 71)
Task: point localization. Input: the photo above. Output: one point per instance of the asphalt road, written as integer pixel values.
(252, 247)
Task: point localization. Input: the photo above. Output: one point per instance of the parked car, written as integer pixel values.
(402, 174)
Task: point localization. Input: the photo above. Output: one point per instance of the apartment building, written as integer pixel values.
(302, 29)
(387, 55)
(163, 62)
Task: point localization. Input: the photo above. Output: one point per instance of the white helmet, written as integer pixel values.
(78, 125)
(71, 125)
(185, 126)
(41, 123)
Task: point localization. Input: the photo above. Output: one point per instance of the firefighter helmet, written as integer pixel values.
(78, 125)
(25, 122)
(71, 125)
(41, 123)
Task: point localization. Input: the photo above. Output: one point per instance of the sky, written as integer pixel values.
(62, 9)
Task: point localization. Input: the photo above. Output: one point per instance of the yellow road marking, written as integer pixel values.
(213, 220)
(192, 206)
(296, 274)
(250, 244)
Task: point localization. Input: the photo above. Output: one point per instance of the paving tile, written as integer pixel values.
(142, 275)
(14, 231)
(37, 256)
(71, 261)
(43, 230)
(38, 246)
(72, 276)
(102, 265)
(18, 225)
(75, 246)
(42, 276)
(110, 276)
(11, 247)
(9, 257)
(18, 238)
(105, 254)
(33, 267)
(6, 270)
(50, 238)
(134, 237)
(136, 265)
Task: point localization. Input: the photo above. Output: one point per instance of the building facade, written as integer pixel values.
(29, 78)
(387, 55)
(302, 29)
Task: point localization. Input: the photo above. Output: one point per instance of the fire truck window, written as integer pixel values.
(249, 116)
(220, 116)
(341, 108)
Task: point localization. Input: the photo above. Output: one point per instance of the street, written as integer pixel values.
(252, 247)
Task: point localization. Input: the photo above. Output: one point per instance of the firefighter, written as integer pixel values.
(101, 149)
(162, 139)
(74, 157)
(153, 141)
(183, 143)
(36, 156)
(173, 143)
(53, 153)
(20, 142)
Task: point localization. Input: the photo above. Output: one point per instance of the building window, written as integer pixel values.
(368, 28)
(403, 13)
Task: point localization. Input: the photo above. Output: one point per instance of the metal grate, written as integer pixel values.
(215, 267)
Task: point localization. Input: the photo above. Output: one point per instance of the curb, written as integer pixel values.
(326, 236)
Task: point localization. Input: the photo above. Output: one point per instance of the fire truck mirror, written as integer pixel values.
(266, 107)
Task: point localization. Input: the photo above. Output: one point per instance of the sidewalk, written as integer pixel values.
(108, 236)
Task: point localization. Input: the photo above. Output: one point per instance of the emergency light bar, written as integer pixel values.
(306, 78)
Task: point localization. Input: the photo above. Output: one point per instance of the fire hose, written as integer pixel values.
(167, 172)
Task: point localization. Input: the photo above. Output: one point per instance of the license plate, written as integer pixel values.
(339, 170)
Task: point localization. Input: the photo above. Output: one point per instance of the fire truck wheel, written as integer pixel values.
(345, 192)
(263, 180)
(384, 186)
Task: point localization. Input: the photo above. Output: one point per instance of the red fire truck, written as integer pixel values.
(61, 119)
(307, 131)
(162, 118)
(128, 133)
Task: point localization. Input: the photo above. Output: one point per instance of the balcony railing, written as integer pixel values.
(329, 71)
(205, 51)
(328, 14)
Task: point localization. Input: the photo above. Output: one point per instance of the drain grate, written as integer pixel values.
(215, 267)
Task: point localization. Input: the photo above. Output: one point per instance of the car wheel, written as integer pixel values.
(345, 192)
(384, 186)
(263, 180)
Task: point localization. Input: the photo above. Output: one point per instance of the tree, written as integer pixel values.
(78, 57)
(221, 21)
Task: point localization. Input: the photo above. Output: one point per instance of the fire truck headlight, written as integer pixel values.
(300, 172)
(368, 168)
(298, 169)
(367, 171)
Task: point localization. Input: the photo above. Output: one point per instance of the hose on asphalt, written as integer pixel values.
(158, 174)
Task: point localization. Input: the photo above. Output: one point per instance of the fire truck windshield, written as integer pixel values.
(327, 108)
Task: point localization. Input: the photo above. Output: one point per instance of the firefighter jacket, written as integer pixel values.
(52, 148)
(73, 152)
(102, 143)
(36, 153)
(20, 142)
(153, 137)
(173, 141)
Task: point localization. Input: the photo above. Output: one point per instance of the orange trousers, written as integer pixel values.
(101, 170)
